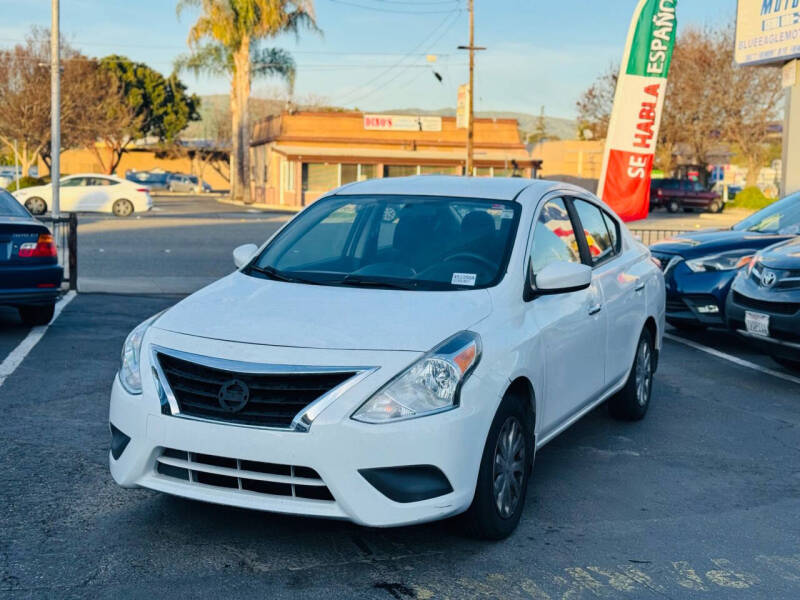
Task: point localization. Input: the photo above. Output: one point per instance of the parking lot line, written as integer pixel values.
(734, 359)
(18, 354)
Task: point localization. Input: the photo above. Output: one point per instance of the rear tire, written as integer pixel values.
(673, 206)
(794, 365)
(36, 206)
(122, 208)
(632, 401)
(37, 315)
(505, 470)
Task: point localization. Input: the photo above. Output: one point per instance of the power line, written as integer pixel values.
(392, 10)
(357, 93)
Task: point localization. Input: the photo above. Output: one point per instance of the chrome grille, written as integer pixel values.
(229, 393)
(243, 475)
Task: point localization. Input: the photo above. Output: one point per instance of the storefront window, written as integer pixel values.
(503, 172)
(483, 171)
(399, 170)
(438, 170)
(320, 177)
(349, 174)
(368, 172)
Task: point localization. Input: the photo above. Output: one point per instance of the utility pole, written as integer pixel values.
(55, 108)
(16, 164)
(471, 90)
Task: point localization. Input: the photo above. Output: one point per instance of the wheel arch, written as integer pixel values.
(522, 387)
(651, 326)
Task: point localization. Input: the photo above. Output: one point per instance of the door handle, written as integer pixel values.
(595, 308)
(639, 286)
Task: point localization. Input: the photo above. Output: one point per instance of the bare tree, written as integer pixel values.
(595, 105)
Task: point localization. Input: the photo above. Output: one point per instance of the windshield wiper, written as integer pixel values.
(354, 280)
(273, 273)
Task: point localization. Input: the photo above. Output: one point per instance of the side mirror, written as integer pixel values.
(562, 277)
(243, 254)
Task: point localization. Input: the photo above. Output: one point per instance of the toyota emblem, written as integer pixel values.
(233, 395)
(768, 278)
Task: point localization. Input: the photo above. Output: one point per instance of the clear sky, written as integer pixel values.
(372, 53)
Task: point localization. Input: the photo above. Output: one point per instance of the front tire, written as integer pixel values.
(36, 206)
(37, 315)
(716, 206)
(505, 469)
(673, 206)
(122, 208)
(632, 401)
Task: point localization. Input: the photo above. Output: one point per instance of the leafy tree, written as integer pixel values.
(225, 40)
(152, 106)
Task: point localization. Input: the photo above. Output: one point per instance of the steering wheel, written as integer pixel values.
(472, 256)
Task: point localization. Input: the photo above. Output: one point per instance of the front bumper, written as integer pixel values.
(335, 447)
(784, 329)
(697, 298)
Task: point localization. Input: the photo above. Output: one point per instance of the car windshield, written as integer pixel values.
(9, 207)
(782, 217)
(406, 242)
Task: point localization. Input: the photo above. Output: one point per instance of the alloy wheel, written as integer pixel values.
(644, 372)
(36, 206)
(122, 208)
(509, 468)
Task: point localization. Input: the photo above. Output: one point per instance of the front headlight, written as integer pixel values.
(129, 373)
(430, 385)
(725, 261)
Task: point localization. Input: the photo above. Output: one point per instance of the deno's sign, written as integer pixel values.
(402, 123)
(767, 31)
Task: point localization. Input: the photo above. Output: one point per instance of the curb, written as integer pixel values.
(264, 207)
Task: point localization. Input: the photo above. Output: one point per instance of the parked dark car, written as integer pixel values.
(30, 277)
(155, 180)
(699, 267)
(764, 303)
(677, 194)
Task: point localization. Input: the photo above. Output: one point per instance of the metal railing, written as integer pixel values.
(651, 236)
(65, 233)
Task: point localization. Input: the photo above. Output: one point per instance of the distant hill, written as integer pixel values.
(216, 107)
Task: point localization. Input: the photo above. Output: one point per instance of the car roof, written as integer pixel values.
(490, 188)
(104, 175)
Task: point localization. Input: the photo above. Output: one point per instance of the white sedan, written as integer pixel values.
(89, 193)
(395, 354)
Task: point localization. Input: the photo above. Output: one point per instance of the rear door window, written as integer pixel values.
(598, 238)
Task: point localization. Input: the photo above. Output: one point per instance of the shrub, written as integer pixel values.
(25, 182)
(751, 198)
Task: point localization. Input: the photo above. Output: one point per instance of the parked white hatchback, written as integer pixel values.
(395, 354)
(89, 192)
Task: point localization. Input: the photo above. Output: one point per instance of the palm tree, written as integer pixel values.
(225, 40)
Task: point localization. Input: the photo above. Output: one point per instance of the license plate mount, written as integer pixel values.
(756, 323)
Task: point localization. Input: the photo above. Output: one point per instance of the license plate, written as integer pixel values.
(756, 323)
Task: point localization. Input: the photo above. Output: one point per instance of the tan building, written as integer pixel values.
(84, 160)
(573, 158)
(297, 157)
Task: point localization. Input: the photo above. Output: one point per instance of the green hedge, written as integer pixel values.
(751, 198)
(25, 182)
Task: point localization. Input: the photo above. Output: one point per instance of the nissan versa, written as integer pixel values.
(395, 354)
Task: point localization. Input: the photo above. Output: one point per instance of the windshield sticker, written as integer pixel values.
(507, 214)
(464, 279)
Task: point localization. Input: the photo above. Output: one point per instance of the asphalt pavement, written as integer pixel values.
(699, 500)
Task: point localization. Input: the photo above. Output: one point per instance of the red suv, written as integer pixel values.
(676, 194)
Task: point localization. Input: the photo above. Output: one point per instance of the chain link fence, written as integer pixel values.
(65, 233)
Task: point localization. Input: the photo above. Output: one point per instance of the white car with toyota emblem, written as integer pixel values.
(395, 354)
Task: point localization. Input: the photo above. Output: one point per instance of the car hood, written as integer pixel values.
(711, 241)
(782, 256)
(252, 310)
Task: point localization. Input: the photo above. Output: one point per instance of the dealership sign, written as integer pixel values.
(402, 123)
(638, 104)
(767, 31)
